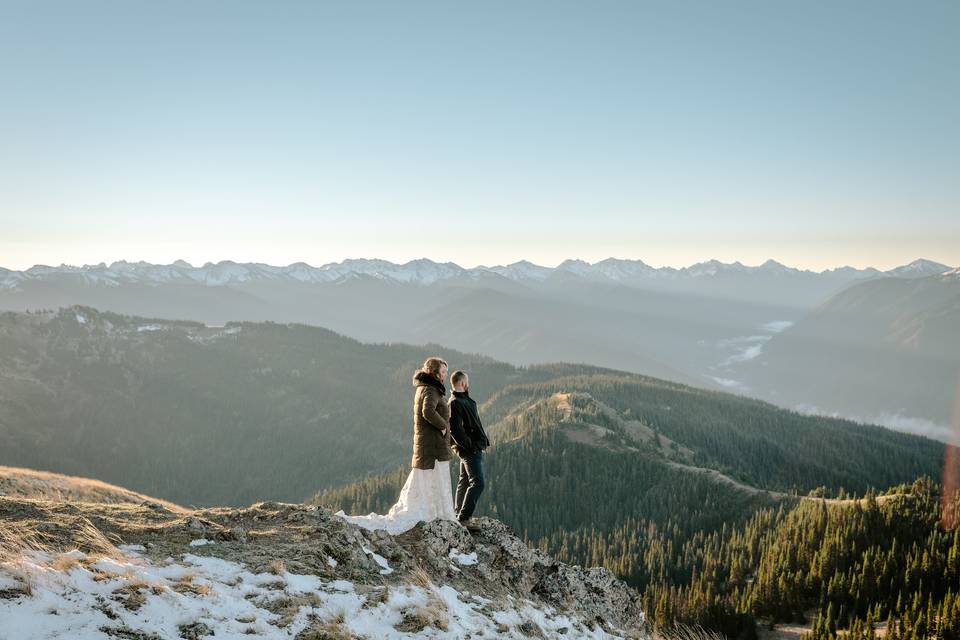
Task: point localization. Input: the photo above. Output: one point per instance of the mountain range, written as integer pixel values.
(426, 272)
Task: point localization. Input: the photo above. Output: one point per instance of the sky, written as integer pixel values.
(815, 133)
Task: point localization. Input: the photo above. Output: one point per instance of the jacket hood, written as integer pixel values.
(422, 378)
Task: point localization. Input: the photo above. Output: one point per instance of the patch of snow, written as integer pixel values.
(149, 327)
(331, 561)
(465, 559)
(88, 602)
(302, 583)
(110, 565)
(132, 548)
(9, 582)
(81, 319)
(200, 542)
(380, 560)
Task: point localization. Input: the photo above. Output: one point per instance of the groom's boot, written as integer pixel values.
(471, 525)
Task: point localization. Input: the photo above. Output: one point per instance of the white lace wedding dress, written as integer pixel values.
(425, 496)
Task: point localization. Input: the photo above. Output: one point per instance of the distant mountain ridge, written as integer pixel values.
(426, 272)
(885, 350)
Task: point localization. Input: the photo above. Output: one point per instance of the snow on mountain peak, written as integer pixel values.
(523, 270)
(773, 266)
(421, 271)
(918, 269)
(953, 274)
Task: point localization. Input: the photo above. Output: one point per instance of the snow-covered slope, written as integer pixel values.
(423, 272)
(286, 571)
(919, 269)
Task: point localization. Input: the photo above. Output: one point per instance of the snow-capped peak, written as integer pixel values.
(919, 268)
(772, 266)
(713, 268)
(523, 270)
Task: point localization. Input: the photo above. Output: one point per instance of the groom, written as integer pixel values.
(469, 441)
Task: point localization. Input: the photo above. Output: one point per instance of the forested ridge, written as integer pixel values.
(250, 411)
(210, 415)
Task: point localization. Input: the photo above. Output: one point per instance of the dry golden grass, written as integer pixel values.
(18, 537)
(376, 597)
(276, 567)
(44, 485)
(65, 562)
(420, 578)
(327, 631)
(92, 540)
(131, 595)
(288, 607)
(25, 549)
(185, 584)
(686, 632)
(333, 628)
(416, 619)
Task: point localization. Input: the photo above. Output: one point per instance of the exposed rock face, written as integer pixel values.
(505, 561)
(491, 565)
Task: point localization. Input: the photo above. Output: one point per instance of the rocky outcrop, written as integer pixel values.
(492, 569)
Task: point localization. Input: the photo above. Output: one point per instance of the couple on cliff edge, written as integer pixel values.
(441, 425)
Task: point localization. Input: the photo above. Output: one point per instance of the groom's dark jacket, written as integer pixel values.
(465, 426)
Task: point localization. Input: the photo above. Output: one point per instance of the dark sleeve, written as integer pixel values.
(456, 427)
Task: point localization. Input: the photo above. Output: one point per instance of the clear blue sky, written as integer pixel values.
(818, 133)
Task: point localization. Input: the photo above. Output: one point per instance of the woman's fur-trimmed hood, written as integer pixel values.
(421, 378)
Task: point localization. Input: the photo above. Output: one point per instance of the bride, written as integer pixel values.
(427, 494)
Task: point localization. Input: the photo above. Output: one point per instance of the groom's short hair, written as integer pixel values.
(457, 377)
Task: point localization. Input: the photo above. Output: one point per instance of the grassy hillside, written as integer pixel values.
(17, 482)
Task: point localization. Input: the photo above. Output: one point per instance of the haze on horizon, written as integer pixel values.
(672, 132)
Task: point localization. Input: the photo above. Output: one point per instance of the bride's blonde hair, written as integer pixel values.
(432, 366)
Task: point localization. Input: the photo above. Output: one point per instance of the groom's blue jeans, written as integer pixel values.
(470, 485)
